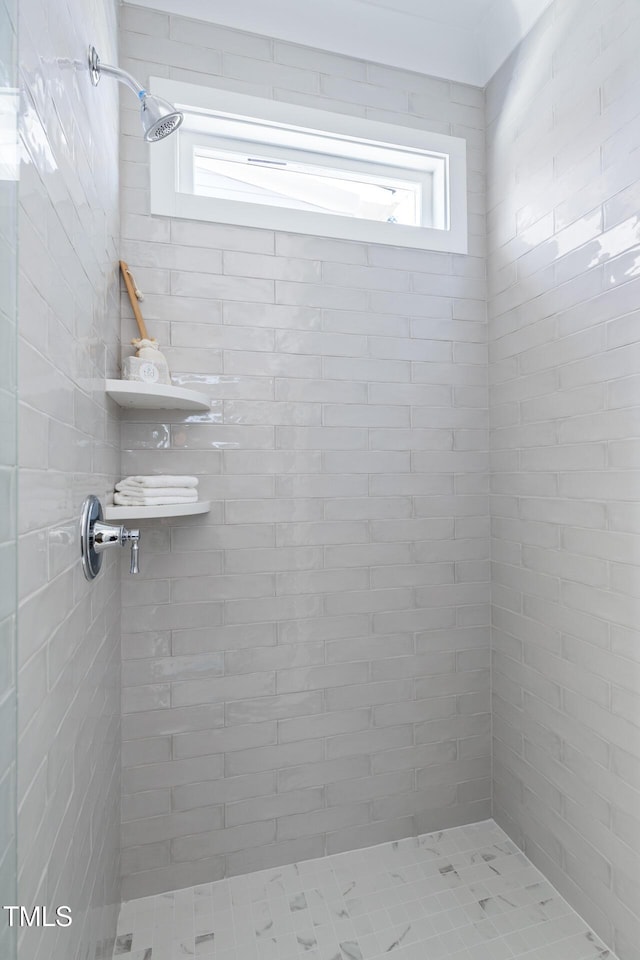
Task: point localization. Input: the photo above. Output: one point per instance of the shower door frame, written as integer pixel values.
(9, 169)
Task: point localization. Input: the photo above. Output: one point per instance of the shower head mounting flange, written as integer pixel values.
(94, 66)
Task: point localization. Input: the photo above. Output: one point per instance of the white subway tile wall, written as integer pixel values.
(68, 645)
(305, 669)
(563, 148)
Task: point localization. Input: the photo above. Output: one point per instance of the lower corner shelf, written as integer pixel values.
(115, 512)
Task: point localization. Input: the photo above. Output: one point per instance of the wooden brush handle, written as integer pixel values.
(142, 327)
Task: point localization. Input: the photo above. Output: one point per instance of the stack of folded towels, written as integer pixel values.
(155, 491)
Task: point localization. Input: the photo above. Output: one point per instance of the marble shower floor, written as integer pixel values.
(463, 894)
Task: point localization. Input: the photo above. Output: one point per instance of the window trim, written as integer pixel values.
(167, 200)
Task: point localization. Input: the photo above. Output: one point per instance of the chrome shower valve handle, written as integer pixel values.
(96, 536)
(132, 537)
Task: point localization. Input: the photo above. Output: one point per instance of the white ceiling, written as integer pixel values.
(464, 40)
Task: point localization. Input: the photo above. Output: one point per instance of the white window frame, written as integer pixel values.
(168, 200)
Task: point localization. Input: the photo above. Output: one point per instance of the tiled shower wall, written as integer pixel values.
(564, 159)
(305, 668)
(68, 650)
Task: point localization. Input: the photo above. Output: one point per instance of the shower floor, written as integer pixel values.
(463, 894)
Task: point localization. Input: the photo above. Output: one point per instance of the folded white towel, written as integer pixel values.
(136, 491)
(166, 480)
(128, 500)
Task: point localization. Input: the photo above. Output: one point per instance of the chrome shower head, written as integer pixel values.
(159, 118)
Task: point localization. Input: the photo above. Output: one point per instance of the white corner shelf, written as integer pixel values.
(115, 512)
(154, 396)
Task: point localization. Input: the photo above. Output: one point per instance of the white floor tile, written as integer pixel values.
(463, 894)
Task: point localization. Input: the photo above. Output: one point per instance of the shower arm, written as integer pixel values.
(123, 77)
(97, 69)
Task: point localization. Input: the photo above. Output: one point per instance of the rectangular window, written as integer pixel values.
(262, 163)
(301, 185)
